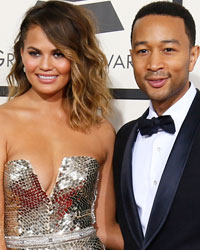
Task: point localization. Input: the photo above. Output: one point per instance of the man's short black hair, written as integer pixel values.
(169, 9)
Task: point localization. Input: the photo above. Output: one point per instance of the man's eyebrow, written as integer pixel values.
(171, 41)
(175, 41)
(139, 43)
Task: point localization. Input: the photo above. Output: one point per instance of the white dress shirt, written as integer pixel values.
(150, 154)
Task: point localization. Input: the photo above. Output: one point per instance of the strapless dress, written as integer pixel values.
(62, 220)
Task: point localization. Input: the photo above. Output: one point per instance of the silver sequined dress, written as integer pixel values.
(62, 220)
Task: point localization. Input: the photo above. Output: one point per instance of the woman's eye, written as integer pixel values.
(58, 54)
(34, 53)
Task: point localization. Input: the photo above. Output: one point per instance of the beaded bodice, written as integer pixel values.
(29, 211)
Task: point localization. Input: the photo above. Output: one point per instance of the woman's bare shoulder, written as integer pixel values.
(5, 124)
(105, 128)
(12, 106)
(4, 112)
(7, 111)
(105, 132)
(6, 107)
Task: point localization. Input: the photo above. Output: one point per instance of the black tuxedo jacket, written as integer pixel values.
(174, 222)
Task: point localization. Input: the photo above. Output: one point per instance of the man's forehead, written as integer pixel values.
(158, 23)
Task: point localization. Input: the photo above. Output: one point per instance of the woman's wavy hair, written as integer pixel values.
(70, 28)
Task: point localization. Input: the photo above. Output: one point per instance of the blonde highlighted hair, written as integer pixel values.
(70, 28)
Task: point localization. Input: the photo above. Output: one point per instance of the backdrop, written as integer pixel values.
(115, 18)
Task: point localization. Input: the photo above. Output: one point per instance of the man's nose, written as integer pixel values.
(155, 61)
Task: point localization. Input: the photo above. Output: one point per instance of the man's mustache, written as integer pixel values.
(157, 74)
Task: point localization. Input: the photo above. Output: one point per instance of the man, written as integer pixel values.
(157, 161)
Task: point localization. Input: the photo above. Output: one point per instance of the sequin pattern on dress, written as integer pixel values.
(62, 220)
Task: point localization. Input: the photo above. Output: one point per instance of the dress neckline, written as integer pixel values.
(58, 171)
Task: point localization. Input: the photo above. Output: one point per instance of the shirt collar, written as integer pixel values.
(177, 112)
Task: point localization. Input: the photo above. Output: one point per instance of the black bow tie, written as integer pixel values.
(151, 126)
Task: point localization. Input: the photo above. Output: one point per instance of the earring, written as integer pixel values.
(24, 69)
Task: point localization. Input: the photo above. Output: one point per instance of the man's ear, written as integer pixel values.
(194, 54)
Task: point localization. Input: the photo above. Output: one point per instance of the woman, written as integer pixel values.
(56, 146)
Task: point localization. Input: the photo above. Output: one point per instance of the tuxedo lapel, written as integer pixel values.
(173, 172)
(128, 200)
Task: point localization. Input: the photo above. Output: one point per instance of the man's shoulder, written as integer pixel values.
(124, 133)
(121, 142)
(126, 128)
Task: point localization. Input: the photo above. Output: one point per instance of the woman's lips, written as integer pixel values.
(47, 78)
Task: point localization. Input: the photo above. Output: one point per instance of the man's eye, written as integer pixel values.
(169, 49)
(142, 51)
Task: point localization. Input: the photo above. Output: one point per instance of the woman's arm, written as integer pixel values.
(108, 229)
(3, 156)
